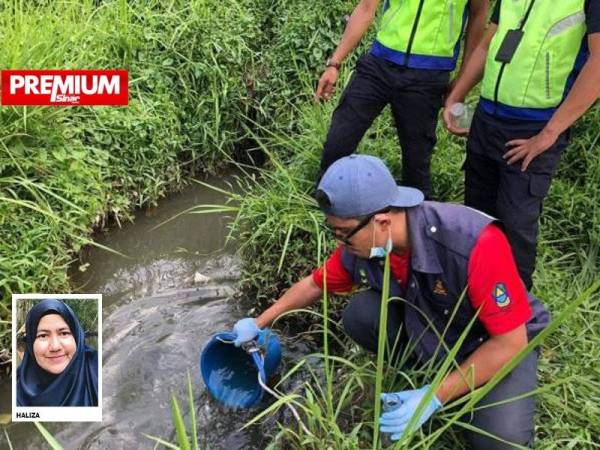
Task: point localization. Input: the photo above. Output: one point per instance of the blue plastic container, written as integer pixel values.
(231, 374)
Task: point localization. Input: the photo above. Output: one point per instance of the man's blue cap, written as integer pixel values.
(359, 185)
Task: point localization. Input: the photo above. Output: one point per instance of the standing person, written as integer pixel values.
(436, 250)
(540, 64)
(408, 67)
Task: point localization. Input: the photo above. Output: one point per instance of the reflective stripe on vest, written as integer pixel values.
(535, 81)
(421, 34)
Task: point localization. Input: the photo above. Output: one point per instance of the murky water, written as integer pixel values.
(160, 304)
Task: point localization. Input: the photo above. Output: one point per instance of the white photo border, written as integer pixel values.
(55, 413)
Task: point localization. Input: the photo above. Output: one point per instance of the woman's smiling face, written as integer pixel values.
(54, 344)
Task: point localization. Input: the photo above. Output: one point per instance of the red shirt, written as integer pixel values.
(493, 282)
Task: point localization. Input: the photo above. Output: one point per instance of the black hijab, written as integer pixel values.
(77, 385)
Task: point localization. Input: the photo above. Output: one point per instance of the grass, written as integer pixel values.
(201, 73)
(278, 226)
(66, 171)
(184, 442)
(52, 442)
(343, 415)
(356, 371)
(209, 79)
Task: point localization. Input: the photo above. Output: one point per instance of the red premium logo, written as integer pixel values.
(64, 87)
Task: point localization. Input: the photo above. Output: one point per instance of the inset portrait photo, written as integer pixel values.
(57, 362)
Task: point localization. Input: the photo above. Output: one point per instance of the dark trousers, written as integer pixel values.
(504, 191)
(511, 421)
(415, 96)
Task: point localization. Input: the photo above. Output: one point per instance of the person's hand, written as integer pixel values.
(326, 84)
(396, 421)
(245, 330)
(528, 149)
(447, 116)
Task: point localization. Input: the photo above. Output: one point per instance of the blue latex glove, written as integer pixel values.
(245, 330)
(396, 420)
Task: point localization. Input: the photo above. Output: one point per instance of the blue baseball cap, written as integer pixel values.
(359, 185)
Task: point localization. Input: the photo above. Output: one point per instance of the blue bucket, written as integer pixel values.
(231, 373)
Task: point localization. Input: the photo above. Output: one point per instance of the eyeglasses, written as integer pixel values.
(363, 223)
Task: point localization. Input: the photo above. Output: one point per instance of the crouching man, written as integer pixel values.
(436, 250)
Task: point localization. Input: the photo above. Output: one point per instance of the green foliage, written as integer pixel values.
(183, 441)
(66, 171)
(208, 78)
(208, 55)
(301, 38)
(352, 423)
(568, 262)
(202, 75)
(52, 442)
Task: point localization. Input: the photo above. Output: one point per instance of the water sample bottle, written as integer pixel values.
(391, 403)
(462, 115)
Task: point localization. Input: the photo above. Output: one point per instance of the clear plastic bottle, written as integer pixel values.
(391, 403)
(462, 115)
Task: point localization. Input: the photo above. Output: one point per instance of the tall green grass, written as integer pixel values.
(277, 224)
(301, 38)
(65, 171)
(186, 439)
(208, 78)
(354, 424)
(201, 73)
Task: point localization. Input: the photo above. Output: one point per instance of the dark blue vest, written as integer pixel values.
(442, 236)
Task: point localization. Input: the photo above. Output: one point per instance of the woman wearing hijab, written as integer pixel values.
(58, 368)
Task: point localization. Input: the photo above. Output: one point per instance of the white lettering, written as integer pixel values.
(64, 86)
(16, 82)
(112, 86)
(60, 98)
(31, 84)
(46, 82)
(67, 87)
(85, 86)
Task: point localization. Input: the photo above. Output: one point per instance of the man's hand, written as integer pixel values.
(396, 421)
(528, 149)
(326, 84)
(360, 19)
(245, 330)
(448, 122)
